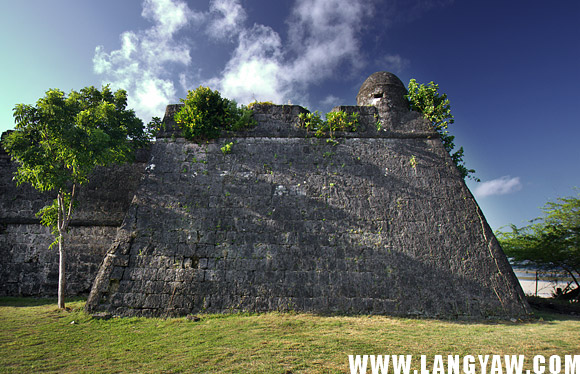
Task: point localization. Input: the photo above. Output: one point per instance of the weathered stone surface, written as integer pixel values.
(290, 222)
(296, 223)
(386, 92)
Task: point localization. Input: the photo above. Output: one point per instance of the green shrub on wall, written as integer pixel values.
(435, 107)
(256, 102)
(206, 113)
(335, 121)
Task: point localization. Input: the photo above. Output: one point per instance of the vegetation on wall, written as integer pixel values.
(155, 126)
(205, 114)
(435, 107)
(227, 148)
(335, 121)
(256, 102)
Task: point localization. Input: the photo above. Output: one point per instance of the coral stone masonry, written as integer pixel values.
(379, 221)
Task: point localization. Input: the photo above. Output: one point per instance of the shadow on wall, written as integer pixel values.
(282, 224)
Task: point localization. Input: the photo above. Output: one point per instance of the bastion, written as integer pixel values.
(376, 221)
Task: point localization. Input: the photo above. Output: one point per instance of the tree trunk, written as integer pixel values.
(61, 272)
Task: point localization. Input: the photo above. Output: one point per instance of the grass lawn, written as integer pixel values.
(37, 337)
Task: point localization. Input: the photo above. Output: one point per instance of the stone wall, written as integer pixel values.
(27, 266)
(381, 223)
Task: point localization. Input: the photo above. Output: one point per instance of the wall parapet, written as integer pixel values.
(281, 121)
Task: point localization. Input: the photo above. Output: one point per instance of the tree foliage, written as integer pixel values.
(551, 242)
(59, 141)
(436, 108)
(206, 113)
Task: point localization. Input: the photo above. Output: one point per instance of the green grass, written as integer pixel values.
(37, 337)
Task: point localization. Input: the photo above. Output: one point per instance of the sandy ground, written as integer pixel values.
(545, 285)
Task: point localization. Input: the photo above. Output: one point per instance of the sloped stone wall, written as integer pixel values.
(380, 223)
(27, 266)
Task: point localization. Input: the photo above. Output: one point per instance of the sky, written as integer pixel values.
(509, 68)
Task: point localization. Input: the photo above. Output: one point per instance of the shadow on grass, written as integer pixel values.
(540, 314)
(34, 301)
(544, 310)
(554, 309)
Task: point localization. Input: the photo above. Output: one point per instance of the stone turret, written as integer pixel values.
(385, 91)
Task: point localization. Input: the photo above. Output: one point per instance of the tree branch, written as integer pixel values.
(71, 203)
(60, 220)
(571, 273)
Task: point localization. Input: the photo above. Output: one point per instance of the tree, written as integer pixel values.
(59, 141)
(551, 242)
(435, 107)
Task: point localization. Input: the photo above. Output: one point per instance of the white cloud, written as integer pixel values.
(500, 186)
(323, 34)
(229, 18)
(140, 65)
(168, 15)
(255, 71)
(323, 37)
(393, 63)
(331, 101)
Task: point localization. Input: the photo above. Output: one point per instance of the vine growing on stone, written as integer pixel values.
(436, 108)
(205, 114)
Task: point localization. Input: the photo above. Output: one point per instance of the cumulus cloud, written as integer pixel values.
(323, 40)
(331, 101)
(140, 65)
(168, 15)
(255, 70)
(500, 186)
(228, 20)
(323, 35)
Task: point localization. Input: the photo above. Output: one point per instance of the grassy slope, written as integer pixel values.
(37, 337)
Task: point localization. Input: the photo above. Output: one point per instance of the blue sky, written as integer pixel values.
(510, 68)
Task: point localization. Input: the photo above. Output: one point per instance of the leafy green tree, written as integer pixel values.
(435, 107)
(206, 113)
(59, 141)
(550, 242)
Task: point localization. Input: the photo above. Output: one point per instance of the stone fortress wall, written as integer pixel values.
(286, 221)
(381, 222)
